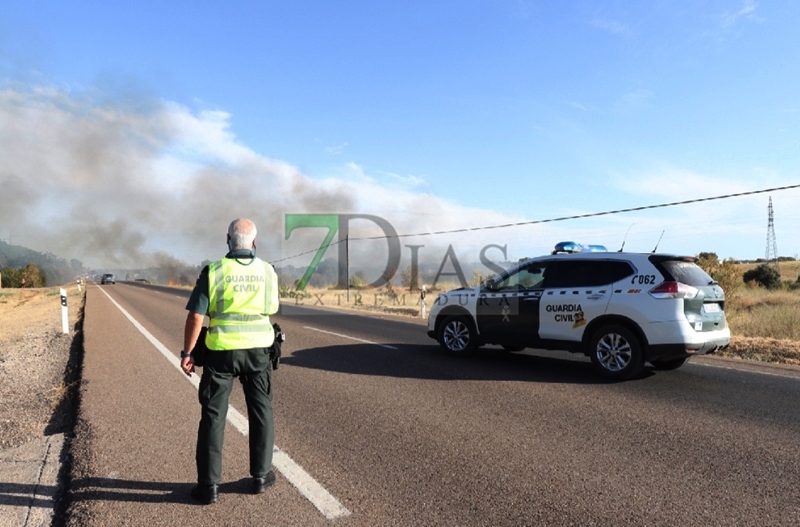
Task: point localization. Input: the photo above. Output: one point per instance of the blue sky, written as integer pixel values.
(434, 115)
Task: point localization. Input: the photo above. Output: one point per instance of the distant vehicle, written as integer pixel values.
(619, 309)
(108, 278)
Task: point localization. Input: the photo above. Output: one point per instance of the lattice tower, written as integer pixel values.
(771, 253)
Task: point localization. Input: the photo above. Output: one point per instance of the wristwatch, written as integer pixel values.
(185, 355)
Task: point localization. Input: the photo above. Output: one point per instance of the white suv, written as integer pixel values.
(620, 309)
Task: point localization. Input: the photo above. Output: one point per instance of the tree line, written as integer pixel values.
(35, 267)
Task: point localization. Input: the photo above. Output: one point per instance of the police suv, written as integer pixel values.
(620, 309)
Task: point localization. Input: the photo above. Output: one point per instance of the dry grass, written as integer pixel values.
(34, 356)
(20, 308)
(780, 351)
(380, 300)
(789, 270)
(758, 313)
(765, 325)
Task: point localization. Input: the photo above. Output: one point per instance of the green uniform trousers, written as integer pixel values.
(253, 368)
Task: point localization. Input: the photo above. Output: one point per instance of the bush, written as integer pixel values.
(764, 275)
(10, 277)
(725, 273)
(357, 281)
(28, 276)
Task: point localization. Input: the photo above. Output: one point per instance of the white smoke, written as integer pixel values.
(126, 186)
(117, 186)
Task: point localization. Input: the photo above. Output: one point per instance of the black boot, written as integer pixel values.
(260, 484)
(205, 494)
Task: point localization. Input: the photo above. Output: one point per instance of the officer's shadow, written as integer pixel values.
(123, 490)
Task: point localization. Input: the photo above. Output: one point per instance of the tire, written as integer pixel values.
(669, 364)
(457, 336)
(616, 352)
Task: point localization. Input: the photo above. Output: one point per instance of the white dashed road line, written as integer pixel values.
(329, 506)
(350, 338)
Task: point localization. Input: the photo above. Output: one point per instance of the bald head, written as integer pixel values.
(242, 234)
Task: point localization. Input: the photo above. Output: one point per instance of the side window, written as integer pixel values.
(616, 271)
(586, 273)
(528, 277)
(563, 274)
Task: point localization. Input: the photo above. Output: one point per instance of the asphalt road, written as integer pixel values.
(395, 432)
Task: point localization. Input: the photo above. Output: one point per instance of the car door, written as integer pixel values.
(508, 311)
(575, 292)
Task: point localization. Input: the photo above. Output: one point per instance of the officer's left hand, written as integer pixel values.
(187, 365)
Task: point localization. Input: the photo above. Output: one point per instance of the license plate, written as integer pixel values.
(711, 308)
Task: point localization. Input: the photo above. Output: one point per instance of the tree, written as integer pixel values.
(726, 273)
(28, 276)
(33, 276)
(707, 259)
(765, 275)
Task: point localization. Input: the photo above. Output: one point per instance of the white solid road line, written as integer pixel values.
(718, 366)
(329, 506)
(350, 338)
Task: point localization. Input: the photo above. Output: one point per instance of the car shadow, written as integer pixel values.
(432, 363)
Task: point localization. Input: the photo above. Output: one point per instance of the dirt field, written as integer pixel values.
(34, 363)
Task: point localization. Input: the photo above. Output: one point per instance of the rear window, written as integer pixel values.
(688, 273)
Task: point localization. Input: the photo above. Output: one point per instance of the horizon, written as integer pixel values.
(133, 133)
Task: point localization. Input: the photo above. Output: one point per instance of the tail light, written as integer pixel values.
(673, 290)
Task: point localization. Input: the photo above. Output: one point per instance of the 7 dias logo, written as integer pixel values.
(334, 224)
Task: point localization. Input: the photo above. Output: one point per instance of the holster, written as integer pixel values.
(200, 350)
(275, 349)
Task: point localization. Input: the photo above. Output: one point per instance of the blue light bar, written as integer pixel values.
(572, 247)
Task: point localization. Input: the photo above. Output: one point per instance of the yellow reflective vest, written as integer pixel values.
(241, 298)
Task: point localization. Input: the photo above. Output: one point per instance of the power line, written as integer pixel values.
(589, 215)
(553, 220)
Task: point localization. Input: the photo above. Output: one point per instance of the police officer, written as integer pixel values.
(238, 293)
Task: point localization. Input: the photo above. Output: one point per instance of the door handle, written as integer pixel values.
(595, 297)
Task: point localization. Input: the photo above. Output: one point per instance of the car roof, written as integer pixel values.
(598, 256)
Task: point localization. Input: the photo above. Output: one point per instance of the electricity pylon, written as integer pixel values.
(772, 245)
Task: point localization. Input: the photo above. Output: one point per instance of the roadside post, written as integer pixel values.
(422, 304)
(64, 314)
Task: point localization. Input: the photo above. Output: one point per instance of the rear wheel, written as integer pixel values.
(669, 364)
(616, 352)
(457, 336)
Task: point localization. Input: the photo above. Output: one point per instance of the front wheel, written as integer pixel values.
(616, 352)
(457, 336)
